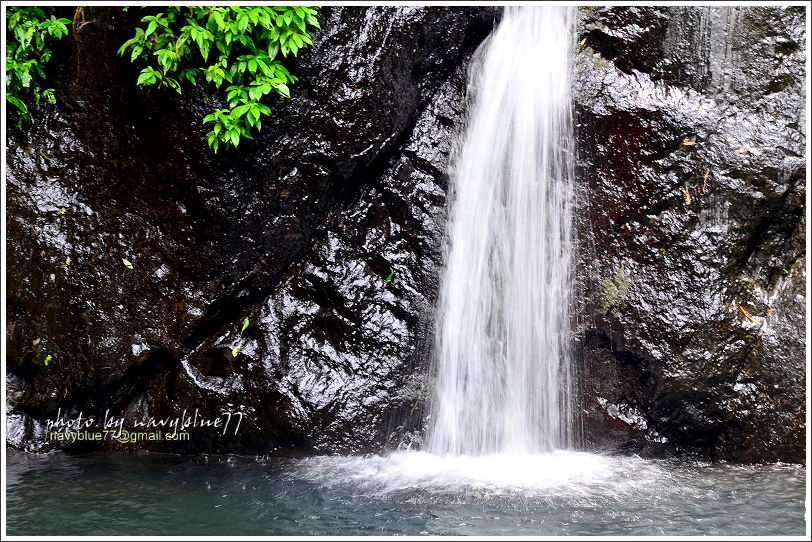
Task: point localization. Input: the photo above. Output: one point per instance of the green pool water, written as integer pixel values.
(413, 493)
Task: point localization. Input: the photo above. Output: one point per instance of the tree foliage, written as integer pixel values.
(29, 31)
(236, 46)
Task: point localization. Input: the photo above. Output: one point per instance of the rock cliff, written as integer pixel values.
(326, 232)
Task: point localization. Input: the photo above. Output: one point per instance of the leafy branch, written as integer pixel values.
(29, 30)
(236, 45)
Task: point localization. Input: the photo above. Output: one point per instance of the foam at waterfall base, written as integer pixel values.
(560, 473)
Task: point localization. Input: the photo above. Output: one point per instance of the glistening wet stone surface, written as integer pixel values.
(692, 165)
(298, 231)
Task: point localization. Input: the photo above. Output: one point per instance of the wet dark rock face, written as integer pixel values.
(691, 140)
(327, 233)
(298, 231)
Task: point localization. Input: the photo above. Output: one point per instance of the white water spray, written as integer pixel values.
(502, 338)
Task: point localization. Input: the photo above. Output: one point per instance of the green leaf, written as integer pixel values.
(242, 22)
(127, 263)
(148, 76)
(25, 78)
(173, 83)
(48, 358)
(253, 115)
(218, 19)
(283, 90)
(190, 75)
(123, 48)
(17, 103)
(239, 111)
(266, 70)
(235, 351)
(245, 325)
(264, 18)
(205, 47)
(67, 260)
(390, 277)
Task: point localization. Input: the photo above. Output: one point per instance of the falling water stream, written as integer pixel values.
(503, 363)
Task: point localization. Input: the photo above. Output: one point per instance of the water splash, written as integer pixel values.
(502, 356)
(570, 475)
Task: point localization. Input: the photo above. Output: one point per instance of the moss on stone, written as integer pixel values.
(614, 290)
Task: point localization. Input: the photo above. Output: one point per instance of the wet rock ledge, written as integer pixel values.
(692, 167)
(297, 231)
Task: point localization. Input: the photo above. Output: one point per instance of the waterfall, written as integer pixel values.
(502, 355)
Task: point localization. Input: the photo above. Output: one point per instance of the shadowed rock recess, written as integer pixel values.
(326, 231)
